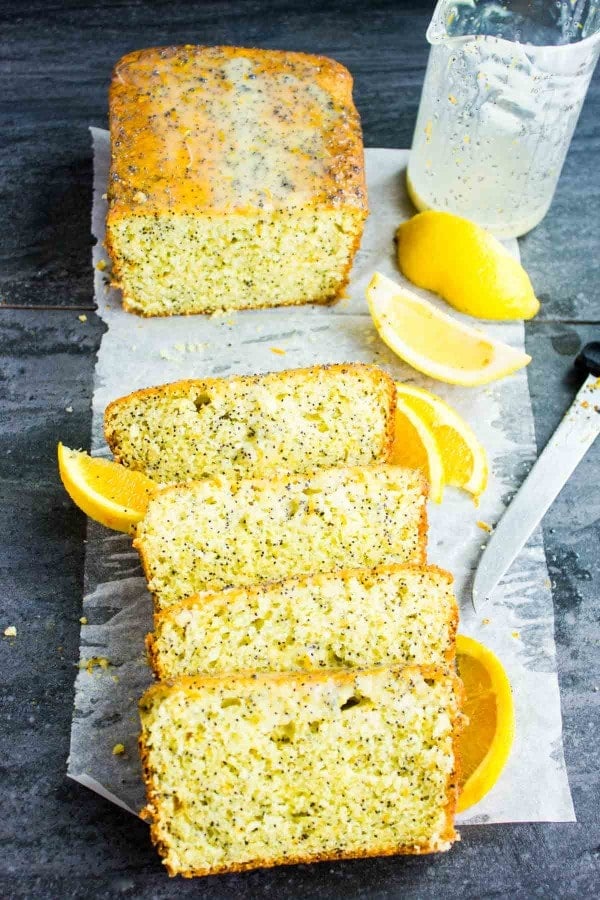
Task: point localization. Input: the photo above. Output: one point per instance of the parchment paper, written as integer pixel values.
(518, 625)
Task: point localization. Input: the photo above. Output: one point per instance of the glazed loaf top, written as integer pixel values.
(221, 130)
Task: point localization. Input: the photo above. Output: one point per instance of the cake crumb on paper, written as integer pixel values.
(94, 662)
(118, 749)
(101, 265)
(484, 526)
(278, 350)
(82, 317)
(83, 620)
(11, 631)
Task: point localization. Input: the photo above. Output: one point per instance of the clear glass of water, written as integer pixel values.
(504, 87)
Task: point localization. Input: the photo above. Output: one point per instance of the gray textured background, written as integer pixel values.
(59, 840)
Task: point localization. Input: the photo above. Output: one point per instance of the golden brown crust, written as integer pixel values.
(176, 387)
(404, 850)
(131, 308)
(151, 157)
(160, 616)
(151, 810)
(423, 522)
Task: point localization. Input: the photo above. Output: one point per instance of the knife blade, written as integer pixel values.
(561, 455)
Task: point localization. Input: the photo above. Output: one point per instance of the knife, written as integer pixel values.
(553, 468)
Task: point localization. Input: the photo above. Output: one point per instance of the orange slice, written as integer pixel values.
(107, 492)
(464, 459)
(416, 447)
(485, 743)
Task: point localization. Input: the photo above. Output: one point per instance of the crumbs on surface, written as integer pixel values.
(485, 621)
(278, 350)
(118, 749)
(11, 631)
(484, 526)
(101, 265)
(94, 662)
(82, 317)
(516, 634)
(83, 620)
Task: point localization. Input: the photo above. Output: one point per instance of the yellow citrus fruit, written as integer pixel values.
(466, 265)
(463, 456)
(416, 447)
(435, 343)
(106, 491)
(485, 743)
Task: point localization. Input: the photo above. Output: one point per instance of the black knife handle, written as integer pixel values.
(588, 360)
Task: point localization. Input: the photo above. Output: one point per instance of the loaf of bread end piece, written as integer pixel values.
(252, 770)
(247, 426)
(236, 181)
(218, 533)
(402, 615)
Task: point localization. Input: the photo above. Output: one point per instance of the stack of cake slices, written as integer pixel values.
(306, 706)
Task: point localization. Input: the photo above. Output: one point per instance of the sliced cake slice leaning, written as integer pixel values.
(248, 426)
(253, 770)
(209, 535)
(353, 619)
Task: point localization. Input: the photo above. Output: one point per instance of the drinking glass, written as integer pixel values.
(504, 87)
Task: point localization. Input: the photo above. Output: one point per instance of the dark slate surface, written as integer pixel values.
(59, 840)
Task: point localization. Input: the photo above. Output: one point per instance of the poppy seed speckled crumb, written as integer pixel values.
(253, 425)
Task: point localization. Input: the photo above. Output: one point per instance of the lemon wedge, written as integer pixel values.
(466, 265)
(486, 742)
(435, 343)
(462, 455)
(416, 448)
(106, 491)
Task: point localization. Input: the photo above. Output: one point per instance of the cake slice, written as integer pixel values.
(353, 619)
(213, 534)
(249, 426)
(253, 770)
(237, 179)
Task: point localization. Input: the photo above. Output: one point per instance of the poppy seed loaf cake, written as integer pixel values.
(253, 770)
(218, 533)
(248, 426)
(354, 619)
(236, 181)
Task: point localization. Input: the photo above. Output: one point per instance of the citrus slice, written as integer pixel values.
(466, 265)
(485, 743)
(435, 343)
(463, 456)
(416, 447)
(106, 491)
